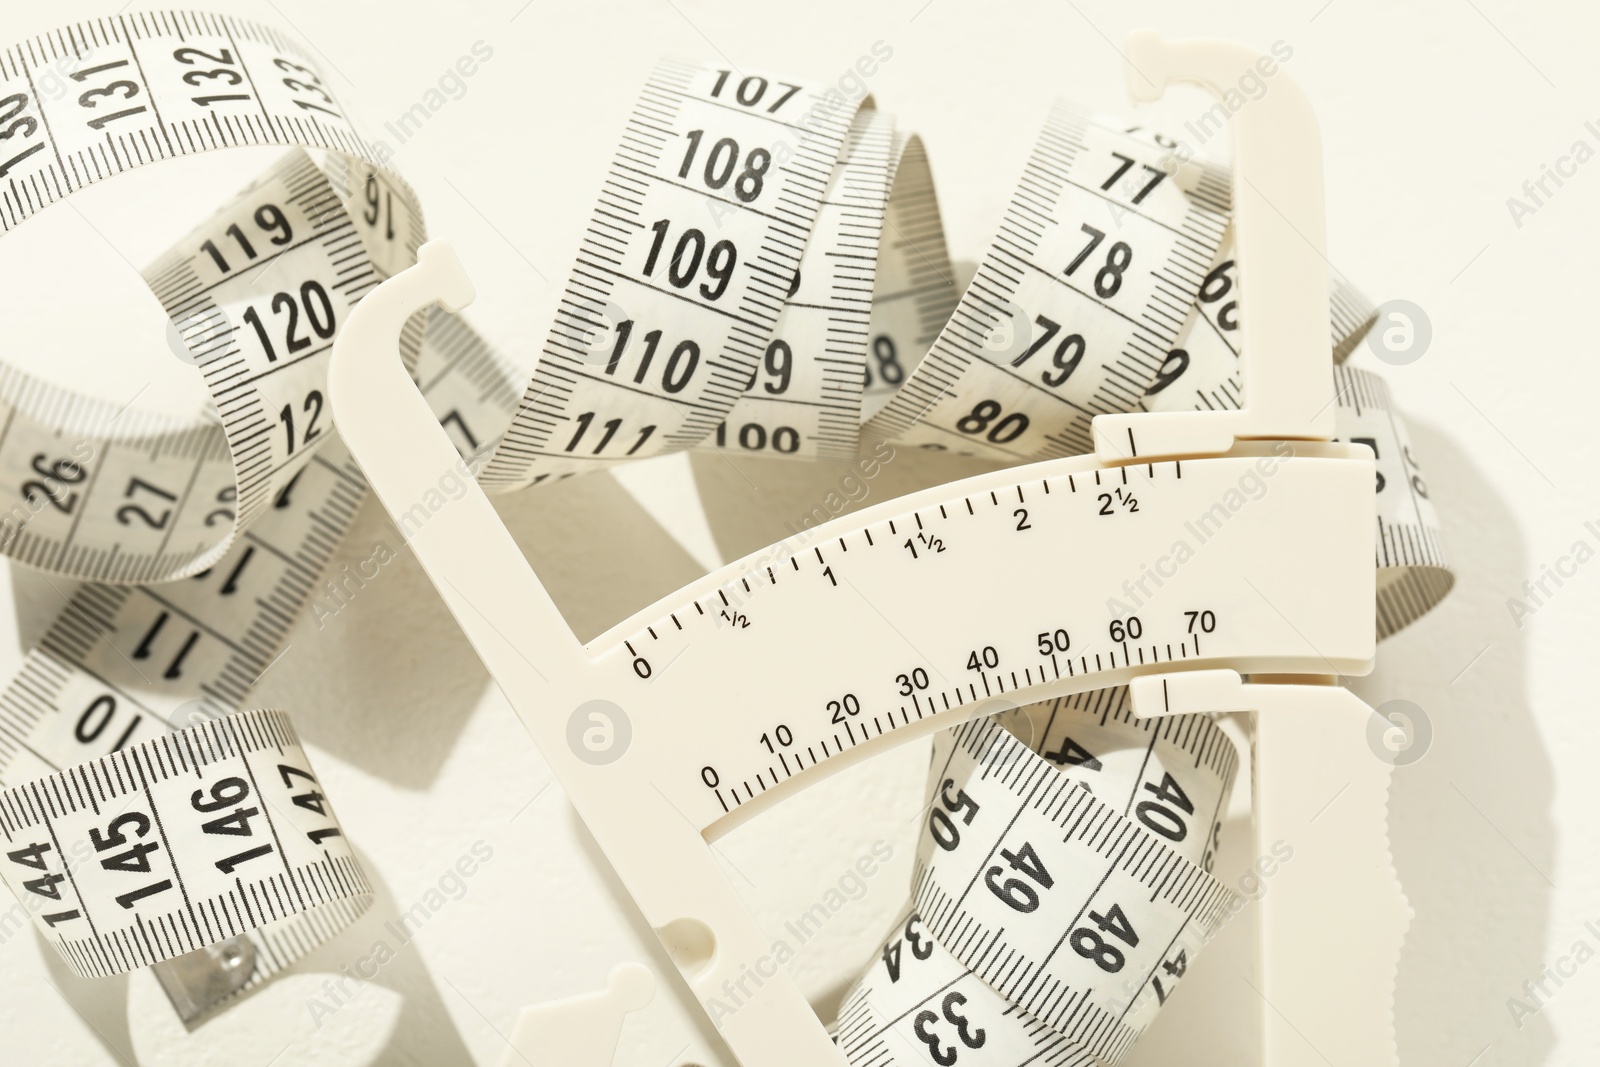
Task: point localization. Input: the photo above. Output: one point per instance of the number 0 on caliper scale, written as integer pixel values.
(904, 618)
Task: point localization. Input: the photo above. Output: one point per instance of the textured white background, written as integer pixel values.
(1433, 113)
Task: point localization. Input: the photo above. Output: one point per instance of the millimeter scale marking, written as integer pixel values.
(908, 600)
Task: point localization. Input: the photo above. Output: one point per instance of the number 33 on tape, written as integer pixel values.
(1032, 891)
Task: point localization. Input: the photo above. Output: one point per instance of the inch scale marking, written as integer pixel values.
(887, 642)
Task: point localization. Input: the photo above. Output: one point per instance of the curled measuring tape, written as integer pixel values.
(180, 842)
(250, 502)
(705, 242)
(1070, 926)
(257, 297)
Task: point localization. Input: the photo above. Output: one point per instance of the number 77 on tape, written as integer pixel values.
(1292, 585)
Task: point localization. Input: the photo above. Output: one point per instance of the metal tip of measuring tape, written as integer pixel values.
(199, 981)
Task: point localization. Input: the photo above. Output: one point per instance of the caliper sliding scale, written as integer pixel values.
(889, 604)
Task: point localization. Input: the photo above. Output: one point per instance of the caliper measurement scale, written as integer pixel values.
(864, 607)
(906, 617)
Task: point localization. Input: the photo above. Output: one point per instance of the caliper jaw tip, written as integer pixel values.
(1332, 915)
(1279, 223)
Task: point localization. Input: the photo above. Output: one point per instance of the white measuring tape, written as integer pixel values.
(763, 272)
(1076, 902)
(176, 843)
(251, 504)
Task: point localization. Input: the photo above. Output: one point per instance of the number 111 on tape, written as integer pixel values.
(1288, 597)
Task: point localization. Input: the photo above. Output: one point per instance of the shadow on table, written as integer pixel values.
(387, 683)
(1469, 823)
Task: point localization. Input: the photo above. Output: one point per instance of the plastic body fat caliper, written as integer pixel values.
(965, 566)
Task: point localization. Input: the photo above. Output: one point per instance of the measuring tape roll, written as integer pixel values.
(121, 665)
(251, 500)
(1066, 843)
(698, 235)
(182, 842)
(1413, 569)
(824, 215)
(256, 294)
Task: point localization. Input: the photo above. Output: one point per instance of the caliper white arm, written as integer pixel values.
(404, 452)
(1330, 920)
(1280, 237)
(511, 621)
